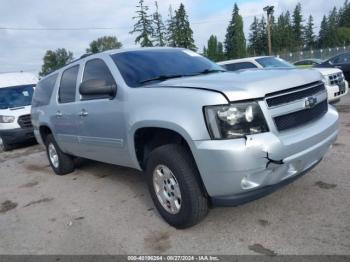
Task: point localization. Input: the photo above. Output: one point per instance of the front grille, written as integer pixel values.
(295, 94)
(25, 121)
(302, 117)
(336, 79)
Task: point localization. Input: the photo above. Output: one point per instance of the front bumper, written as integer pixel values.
(241, 168)
(334, 93)
(18, 135)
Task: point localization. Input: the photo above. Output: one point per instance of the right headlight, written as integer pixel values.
(235, 120)
(7, 119)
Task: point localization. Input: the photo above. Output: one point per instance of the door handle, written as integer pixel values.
(59, 114)
(83, 113)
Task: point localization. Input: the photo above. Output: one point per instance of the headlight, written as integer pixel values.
(325, 80)
(235, 120)
(7, 119)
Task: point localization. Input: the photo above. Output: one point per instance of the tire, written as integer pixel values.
(192, 205)
(64, 164)
(4, 146)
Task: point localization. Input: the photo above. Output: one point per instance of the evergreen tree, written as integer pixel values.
(159, 30)
(323, 34)
(221, 54)
(143, 26)
(344, 19)
(262, 37)
(215, 50)
(235, 43)
(183, 34)
(103, 44)
(253, 37)
(309, 33)
(298, 27)
(170, 29)
(54, 60)
(333, 23)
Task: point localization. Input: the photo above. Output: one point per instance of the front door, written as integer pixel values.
(102, 131)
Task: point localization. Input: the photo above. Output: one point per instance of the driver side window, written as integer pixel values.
(342, 59)
(96, 69)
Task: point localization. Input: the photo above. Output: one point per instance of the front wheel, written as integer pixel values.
(60, 162)
(4, 146)
(173, 181)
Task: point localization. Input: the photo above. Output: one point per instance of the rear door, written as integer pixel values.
(65, 117)
(102, 132)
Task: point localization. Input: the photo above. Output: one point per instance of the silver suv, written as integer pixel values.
(202, 135)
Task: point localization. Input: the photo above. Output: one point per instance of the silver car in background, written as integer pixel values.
(202, 136)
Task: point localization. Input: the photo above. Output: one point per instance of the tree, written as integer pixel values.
(323, 34)
(215, 50)
(298, 27)
(235, 43)
(310, 37)
(103, 44)
(344, 15)
(143, 26)
(253, 37)
(54, 60)
(183, 34)
(170, 28)
(159, 28)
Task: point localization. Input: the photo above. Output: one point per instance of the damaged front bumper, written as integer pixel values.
(240, 170)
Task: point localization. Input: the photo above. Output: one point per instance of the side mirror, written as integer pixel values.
(97, 87)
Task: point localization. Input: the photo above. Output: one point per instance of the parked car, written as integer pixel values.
(308, 63)
(341, 61)
(333, 78)
(16, 91)
(202, 136)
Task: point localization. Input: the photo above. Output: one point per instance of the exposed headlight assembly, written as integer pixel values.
(7, 119)
(235, 120)
(326, 80)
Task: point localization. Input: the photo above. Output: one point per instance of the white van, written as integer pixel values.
(16, 92)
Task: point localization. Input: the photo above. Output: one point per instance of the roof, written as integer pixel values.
(17, 79)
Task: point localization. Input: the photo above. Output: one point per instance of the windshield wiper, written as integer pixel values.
(209, 71)
(161, 78)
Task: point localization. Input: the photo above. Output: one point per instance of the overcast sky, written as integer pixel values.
(24, 49)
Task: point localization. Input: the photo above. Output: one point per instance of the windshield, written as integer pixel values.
(274, 62)
(142, 67)
(18, 96)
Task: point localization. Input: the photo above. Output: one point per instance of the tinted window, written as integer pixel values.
(239, 66)
(343, 59)
(16, 96)
(139, 66)
(273, 62)
(97, 69)
(43, 91)
(68, 85)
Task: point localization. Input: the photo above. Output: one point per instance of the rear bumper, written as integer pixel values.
(248, 168)
(18, 135)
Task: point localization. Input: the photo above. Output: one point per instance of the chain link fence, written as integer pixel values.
(316, 54)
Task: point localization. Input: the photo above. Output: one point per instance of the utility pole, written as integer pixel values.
(269, 10)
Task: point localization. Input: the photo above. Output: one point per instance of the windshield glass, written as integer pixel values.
(274, 62)
(18, 96)
(142, 67)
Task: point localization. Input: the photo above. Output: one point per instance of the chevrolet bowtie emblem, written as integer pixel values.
(310, 102)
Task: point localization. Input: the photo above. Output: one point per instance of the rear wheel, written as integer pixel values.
(172, 178)
(3, 146)
(60, 162)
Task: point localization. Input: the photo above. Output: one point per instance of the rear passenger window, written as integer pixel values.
(43, 91)
(97, 69)
(68, 85)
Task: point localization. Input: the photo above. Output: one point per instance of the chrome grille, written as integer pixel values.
(25, 121)
(336, 79)
(297, 106)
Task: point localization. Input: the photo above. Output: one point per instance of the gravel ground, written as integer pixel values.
(104, 209)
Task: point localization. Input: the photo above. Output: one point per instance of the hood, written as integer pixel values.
(19, 111)
(328, 71)
(247, 84)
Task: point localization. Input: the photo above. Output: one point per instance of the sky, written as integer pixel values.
(23, 50)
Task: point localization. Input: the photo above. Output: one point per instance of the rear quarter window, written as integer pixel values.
(43, 91)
